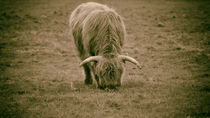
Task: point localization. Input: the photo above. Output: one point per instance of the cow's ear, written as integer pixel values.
(90, 59)
(123, 61)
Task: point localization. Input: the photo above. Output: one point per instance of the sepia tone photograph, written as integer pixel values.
(104, 59)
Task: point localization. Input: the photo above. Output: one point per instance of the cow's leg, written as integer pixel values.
(88, 78)
(98, 84)
(97, 80)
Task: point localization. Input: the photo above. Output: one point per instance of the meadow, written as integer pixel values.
(40, 75)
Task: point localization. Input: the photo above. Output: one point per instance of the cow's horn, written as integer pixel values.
(89, 59)
(130, 59)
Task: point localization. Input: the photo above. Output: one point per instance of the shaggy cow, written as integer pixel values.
(98, 33)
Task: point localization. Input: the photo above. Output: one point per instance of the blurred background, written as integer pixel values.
(40, 75)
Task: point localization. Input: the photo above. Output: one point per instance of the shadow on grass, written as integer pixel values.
(201, 86)
(8, 106)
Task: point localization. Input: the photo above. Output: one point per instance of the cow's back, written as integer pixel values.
(82, 11)
(77, 19)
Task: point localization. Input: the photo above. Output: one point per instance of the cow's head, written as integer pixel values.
(108, 71)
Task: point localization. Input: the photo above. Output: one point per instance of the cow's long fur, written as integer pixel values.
(99, 30)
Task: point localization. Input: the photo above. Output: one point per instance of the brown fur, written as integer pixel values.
(99, 30)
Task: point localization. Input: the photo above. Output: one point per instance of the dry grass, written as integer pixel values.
(39, 68)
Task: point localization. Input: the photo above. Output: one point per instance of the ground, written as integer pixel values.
(40, 75)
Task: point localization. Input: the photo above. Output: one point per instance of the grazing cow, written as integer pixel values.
(98, 33)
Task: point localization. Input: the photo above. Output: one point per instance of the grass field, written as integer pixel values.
(40, 75)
